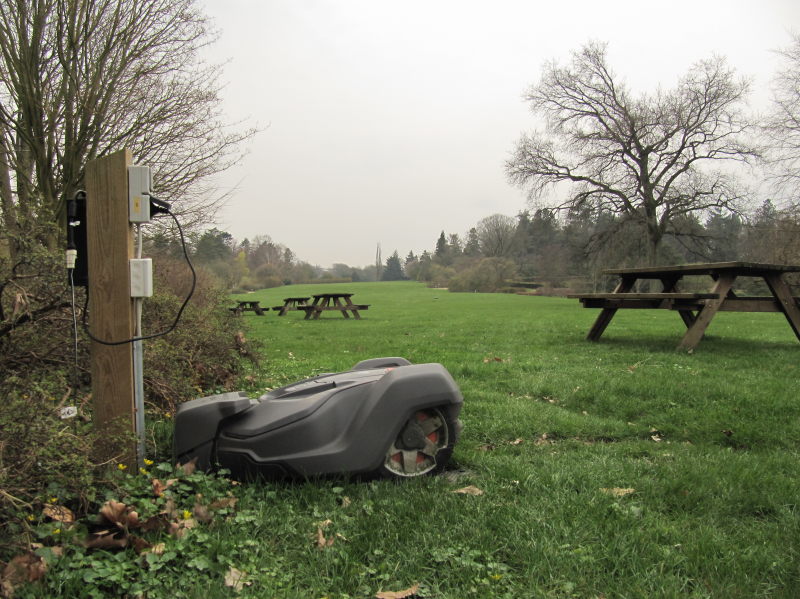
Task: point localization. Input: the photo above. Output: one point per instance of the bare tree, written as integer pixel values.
(652, 158)
(82, 78)
(497, 235)
(783, 123)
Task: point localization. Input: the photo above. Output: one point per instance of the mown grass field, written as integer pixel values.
(616, 469)
(557, 433)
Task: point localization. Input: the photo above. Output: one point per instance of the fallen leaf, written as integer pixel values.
(322, 542)
(469, 490)
(235, 579)
(59, 513)
(159, 487)
(156, 549)
(140, 545)
(486, 447)
(346, 501)
(543, 440)
(21, 569)
(202, 512)
(398, 594)
(189, 467)
(107, 539)
(618, 491)
(120, 514)
(516, 441)
(655, 438)
(225, 502)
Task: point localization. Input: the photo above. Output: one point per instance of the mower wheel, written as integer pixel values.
(423, 446)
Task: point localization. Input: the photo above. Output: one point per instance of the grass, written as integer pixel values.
(616, 469)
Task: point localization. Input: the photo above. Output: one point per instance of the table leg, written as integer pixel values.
(349, 305)
(788, 305)
(698, 328)
(606, 314)
(671, 286)
(340, 306)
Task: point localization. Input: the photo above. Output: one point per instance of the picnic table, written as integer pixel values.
(291, 303)
(696, 309)
(332, 301)
(248, 305)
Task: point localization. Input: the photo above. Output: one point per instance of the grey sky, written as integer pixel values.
(388, 121)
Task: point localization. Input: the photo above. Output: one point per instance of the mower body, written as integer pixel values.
(384, 416)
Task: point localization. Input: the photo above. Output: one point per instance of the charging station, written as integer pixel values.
(116, 199)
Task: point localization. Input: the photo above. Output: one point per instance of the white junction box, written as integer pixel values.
(139, 183)
(141, 277)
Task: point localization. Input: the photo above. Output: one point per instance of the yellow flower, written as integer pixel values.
(57, 531)
(187, 514)
(31, 517)
(148, 462)
(497, 576)
(143, 471)
(52, 500)
(121, 466)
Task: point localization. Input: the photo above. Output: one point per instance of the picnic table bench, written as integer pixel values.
(248, 305)
(291, 303)
(332, 301)
(696, 309)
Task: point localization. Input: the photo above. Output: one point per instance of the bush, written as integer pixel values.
(203, 355)
(489, 274)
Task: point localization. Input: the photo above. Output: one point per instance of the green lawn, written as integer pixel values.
(616, 469)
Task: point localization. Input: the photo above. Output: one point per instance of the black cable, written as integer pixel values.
(180, 311)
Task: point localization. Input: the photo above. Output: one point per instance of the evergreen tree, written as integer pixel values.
(393, 270)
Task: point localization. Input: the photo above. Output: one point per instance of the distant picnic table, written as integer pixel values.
(332, 301)
(696, 309)
(247, 306)
(291, 303)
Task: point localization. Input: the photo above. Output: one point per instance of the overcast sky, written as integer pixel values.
(390, 121)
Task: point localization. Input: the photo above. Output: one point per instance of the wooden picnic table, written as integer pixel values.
(291, 303)
(248, 306)
(333, 301)
(696, 309)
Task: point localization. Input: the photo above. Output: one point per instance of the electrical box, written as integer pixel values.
(139, 183)
(76, 236)
(141, 277)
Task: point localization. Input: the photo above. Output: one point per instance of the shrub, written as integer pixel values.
(489, 274)
(203, 354)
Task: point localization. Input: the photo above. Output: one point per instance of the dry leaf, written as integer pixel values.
(322, 542)
(140, 545)
(618, 492)
(543, 440)
(159, 487)
(157, 549)
(470, 490)
(225, 502)
(486, 447)
(107, 539)
(21, 569)
(201, 512)
(59, 513)
(516, 441)
(409, 592)
(235, 579)
(115, 512)
(346, 501)
(189, 467)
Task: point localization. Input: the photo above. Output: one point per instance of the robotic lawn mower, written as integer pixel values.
(384, 417)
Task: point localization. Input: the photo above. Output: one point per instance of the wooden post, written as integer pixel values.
(111, 316)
